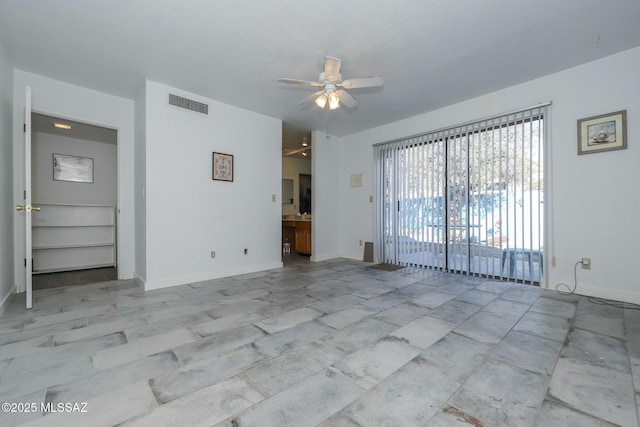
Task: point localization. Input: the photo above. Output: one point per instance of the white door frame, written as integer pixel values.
(26, 207)
(22, 285)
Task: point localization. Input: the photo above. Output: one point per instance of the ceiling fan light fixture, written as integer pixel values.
(333, 90)
(334, 101)
(321, 101)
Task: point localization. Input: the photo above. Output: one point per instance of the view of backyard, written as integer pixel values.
(502, 238)
(469, 200)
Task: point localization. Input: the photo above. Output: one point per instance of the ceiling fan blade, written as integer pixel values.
(310, 98)
(348, 100)
(299, 150)
(331, 68)
(362, 82)
(299, 82)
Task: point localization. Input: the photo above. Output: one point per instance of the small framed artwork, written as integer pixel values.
(602, 133)
(72, 168)
(222, 167)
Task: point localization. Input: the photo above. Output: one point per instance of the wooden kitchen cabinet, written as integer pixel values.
(303, 237)
(298, 233)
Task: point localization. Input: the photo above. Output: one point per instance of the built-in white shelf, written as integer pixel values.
(89, 245)
(73, 237)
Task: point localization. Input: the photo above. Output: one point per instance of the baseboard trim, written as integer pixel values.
(6, 300)
(324, 257)
(606, 293)
(128, 275)
(210, 275)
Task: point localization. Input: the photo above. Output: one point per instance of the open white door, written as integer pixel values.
(26, 207)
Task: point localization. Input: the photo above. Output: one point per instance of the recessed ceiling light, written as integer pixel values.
(62, 126)
(304, 153)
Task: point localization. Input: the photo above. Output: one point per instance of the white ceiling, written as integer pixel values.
(431, 53)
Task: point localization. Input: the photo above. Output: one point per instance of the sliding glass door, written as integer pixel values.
(468, 199)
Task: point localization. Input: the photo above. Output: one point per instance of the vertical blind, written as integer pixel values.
(466, 199)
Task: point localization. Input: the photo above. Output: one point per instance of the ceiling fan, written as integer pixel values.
(333, 87)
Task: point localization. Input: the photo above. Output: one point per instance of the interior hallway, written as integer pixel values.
(332, 343)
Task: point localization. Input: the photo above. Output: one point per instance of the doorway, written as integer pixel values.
(297, 193)
(74, 176)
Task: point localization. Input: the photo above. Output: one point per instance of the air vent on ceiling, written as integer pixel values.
(189, 104)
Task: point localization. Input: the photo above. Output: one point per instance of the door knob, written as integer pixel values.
(20, 207)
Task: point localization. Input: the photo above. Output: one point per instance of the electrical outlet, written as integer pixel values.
(553, 261)
(586, 263)
(213, 254)
(273, 198)
(246, 251)
(360, 242)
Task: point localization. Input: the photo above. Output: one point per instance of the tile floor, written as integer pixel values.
(333, 343)
(72, 278)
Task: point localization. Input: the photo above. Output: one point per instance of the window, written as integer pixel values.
(466, 199)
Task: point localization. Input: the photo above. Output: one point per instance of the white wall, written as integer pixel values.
(139, 185)
(354, 203)
(7, 210)
(592, 200)
(327, 184)
(291, 169)
(189, 214)
(103, 190)
(64, 100)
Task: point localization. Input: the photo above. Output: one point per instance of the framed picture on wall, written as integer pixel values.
(72, 168)
(222, 167)
(602, 133)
